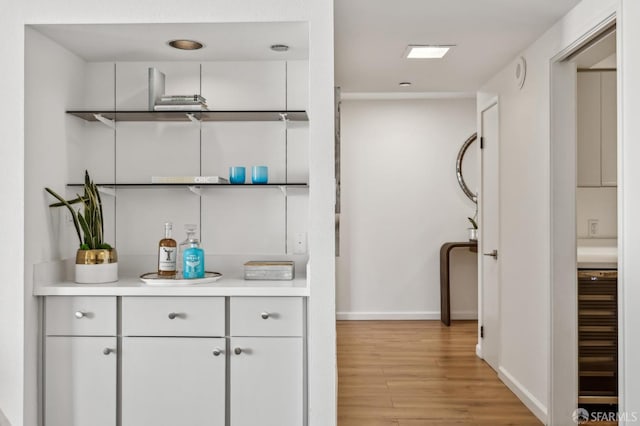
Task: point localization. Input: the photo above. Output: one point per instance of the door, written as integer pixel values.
(489, 236)
(266, 381)
(169, 381)
(80, 381)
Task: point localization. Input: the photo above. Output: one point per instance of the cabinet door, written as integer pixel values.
(609, 147)
(80, 381)
(169, 381)
(266, 386)
(588, 105)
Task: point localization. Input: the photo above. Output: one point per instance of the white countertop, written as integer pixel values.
(597, 253)
(50, 279)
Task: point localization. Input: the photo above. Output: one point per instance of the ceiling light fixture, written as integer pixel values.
(185, 44)
(414, 51)
(404, 84)
(279, 47)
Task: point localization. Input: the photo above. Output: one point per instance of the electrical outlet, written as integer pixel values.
(593, 227)
(300, 244)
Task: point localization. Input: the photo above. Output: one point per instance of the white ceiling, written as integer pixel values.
(148, 42)
(372, 35)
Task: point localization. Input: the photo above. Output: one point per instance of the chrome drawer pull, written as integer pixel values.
(174, 315)
(265, 315)
(108, 351)
(80, 314)
(217, 352)
(237, 351)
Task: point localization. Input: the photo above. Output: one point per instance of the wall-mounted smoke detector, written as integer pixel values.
(415, 51)
(184, 44)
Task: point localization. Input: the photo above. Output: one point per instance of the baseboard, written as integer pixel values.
(389, 316)
(479, 351)
(531, 402)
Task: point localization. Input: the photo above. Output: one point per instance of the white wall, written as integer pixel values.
(12, 212)
(400, 202)
(600, 204)
(525, 206)
(17, 395)
(45, 145)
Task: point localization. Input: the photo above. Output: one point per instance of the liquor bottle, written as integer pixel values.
(193, 264)
(167, 251)
(190, 230)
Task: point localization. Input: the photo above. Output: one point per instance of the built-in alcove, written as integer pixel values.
(257, 100)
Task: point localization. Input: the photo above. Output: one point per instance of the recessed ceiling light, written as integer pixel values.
(279, 47)
(426, 52)
(404, 84)
(185, 44)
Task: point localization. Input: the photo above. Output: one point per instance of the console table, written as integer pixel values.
(445, 293)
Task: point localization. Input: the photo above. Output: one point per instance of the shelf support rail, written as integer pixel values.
(107, 122)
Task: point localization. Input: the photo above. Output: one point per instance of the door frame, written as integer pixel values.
(490, 102)
(563, 319)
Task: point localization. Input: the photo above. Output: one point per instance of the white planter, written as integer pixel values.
(473, 234)
(96, 274)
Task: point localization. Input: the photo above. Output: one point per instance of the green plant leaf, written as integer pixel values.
(90, 219)
(473, 222)
(65, 203)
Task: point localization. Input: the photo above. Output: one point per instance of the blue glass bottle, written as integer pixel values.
(193, 261)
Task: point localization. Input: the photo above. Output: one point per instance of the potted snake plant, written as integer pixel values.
(473, 231)
(96, 261)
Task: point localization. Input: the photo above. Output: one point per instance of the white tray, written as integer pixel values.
(152, 278)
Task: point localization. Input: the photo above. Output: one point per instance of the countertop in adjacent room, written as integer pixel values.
(595, 253)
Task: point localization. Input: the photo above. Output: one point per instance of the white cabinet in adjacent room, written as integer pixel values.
(80, 381)
(597, 128)
(168, 381)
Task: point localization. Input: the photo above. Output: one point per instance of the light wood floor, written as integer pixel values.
(415, 373)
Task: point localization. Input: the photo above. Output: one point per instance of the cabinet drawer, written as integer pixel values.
(173, 316)
(81, 316)
(266, 316)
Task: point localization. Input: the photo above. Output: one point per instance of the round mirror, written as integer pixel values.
(472, 196)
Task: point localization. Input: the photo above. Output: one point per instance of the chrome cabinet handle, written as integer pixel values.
(237, 351)
(80, 314)
(493, 254)
(217, 352)
(265, 315)
(174, 315)
(108, 351)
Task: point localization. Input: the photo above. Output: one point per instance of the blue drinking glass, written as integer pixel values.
(259, 174)
(236, 174)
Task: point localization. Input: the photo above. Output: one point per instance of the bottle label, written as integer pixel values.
(167, 259)
(193, 264)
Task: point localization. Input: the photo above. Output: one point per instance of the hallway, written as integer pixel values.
(418, 373)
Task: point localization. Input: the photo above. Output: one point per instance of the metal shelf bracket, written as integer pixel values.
(107, 122)
(193, 118)
(196, 190)
(107, 190)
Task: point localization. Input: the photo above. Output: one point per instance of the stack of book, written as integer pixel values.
(181, 103)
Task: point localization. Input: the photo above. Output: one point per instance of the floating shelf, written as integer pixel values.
(203, 185)
(185, 116)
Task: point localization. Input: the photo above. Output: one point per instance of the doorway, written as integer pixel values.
(576, 185)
